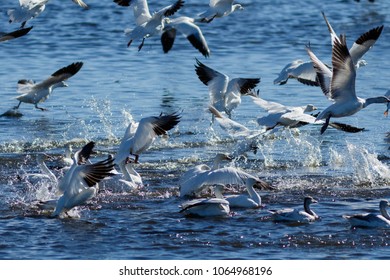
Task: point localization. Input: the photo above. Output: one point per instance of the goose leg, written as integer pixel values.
(142, 44)
(325, 125)
(17, 107)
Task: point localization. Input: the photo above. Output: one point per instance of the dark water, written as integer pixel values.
(347, 173)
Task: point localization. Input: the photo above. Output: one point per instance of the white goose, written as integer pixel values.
(218, 9)
(304, 71)
(188, 189)
(81, 186)
(29, 9)
(206, 207)
(220, 176)
(292, 117)
(225, 93)
(250, 200)
(187, 27)
(342, 87)
(148, 24)
(370, 220)
(35, 93)
(292, 215)
(135, 143)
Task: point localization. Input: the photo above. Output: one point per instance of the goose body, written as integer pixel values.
(370, 220)
(218, 9)
(207, 207)
(294, 215)
(34, 93)
(342, 86)
(148, 24)
(225, 93)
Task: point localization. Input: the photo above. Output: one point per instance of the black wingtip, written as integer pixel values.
(123, 3)
(71, 69)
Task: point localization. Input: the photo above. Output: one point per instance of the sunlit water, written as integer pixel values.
(347, 173)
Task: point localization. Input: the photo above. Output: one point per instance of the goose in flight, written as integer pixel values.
(292, 117)
(225, 93)
(135, 142)
(187, 27)
(342, 86)
(206, 207)
(15, 34)
(304, 71)
(218, 9)
(79, 184)
(148, 24)
(370, 220)
(293, 215)
(29, 9)
(35, 93)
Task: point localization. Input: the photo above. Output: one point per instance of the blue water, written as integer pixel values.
(347, 173)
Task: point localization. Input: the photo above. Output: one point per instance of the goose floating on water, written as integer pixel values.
(206, 207)
(250, 200)
(35, 93)
(293, 215)
(148, 24)
(225, 93)
(370, 220)
(218, 9)
(342, 87)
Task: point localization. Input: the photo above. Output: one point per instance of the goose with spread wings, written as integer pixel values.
(79, 184)
(342, 89)
(293, 116)
(29, 9)
(218, 9)
(304, 71)
(135, 143)
(148, 24)
(225, 93)
(34, 93)
(187, 27)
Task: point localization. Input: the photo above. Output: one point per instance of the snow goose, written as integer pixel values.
(187, 189)
(35, 93)
(189, 29)
(293, 215)
(81, 185)
(148, 24)
(206, 207)
(370, 220)
(292, 117)
(225, 93)
(220, 176)
(304, 71)
(250, 200)
(15, 34)
(218, 9)
(28, 9)
(342, 86)
(135, 143)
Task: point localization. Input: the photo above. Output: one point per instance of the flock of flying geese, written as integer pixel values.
(81, 180)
